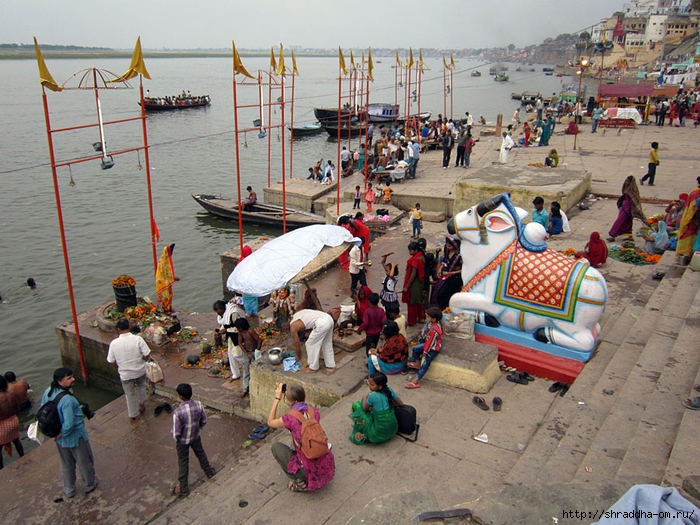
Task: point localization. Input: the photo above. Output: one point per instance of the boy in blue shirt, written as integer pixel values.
(539, 214)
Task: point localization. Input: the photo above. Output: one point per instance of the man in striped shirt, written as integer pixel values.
(188, 419)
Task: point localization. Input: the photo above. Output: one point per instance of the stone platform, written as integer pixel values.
(300, 193)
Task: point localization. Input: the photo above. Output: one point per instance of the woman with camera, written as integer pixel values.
(306, 474)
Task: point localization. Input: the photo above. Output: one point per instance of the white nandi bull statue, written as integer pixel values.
(511, 278)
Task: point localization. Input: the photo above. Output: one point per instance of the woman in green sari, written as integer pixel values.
(373, 418)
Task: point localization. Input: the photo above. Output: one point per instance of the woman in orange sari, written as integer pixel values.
(165, 278)
(690, 224)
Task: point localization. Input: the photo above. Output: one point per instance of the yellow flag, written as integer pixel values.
(362, 63)
(341, 59)
(370, 66)
(444, 62)
(137, 66)
(410, 58)
(352, 59)
(421, 65)
(452, 62)
(273, 62)
(238, 66)
(398, 60)
(294, 64)
(280, 66)
(44, 76)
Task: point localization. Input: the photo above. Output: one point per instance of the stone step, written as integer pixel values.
(573, 421)
(682, 461)
(633, 402)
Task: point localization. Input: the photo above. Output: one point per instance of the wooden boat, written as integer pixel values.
(353, 130)
(330, 115)
(532, 69)
(518, 68)
(173, 103)
(265, 214)
(476, 73)
(529, 97)
(548, 69)
(501, 78)
(549, 73)
(516, 96)
(304, 130)
(423, 116)
(382, 112)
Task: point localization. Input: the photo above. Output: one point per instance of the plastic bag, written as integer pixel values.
(34, 434)
(153, 371)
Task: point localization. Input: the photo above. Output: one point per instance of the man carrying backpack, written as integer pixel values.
(72, 439)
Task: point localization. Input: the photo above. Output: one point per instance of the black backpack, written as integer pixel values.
(406, 417)
(48, 417)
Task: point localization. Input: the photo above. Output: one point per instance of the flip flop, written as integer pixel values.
(696, 388)
(517, 378)
(564, 390)
(257, 435)
(412, 385)
(413, 365)
(167, 407)
(177, 491)
(556, 386)
(261, 429)
(480, 402)
(527, 376)
(692, 403)
(497, 404)
(158, 410)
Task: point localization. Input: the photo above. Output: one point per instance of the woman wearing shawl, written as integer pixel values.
(165, 278)
(449, 274)
(391, 358)
(412, 292)
(546, 131)
(630, 206)
(596, 251)
(656, 241)
(690, 223)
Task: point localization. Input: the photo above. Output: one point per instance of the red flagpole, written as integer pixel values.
(147, 158)
(238, 162)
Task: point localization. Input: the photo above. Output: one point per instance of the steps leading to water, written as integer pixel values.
(576, 430)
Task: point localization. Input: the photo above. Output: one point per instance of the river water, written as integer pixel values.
(192, 151)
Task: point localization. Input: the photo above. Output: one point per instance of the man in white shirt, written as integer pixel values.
(227, 314)
(129, 352)
(357, 266)
(345, 157)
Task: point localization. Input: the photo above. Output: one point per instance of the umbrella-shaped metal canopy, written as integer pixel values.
(290, 258)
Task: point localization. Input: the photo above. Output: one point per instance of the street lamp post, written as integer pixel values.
(583, 64)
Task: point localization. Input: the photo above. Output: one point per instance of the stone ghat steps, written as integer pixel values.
(559, 447)
(635, 440)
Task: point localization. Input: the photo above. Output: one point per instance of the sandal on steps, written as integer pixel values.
(480, 402)
(692, 403)
(298, 485)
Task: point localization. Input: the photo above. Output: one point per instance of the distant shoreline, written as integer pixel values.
(6, 54)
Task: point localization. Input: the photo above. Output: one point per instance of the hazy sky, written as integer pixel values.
(194, 24)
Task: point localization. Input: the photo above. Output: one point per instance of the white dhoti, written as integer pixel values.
(321, 341)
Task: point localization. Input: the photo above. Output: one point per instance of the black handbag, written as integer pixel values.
(406, 417)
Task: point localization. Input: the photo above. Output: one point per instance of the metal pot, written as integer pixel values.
(274, 355)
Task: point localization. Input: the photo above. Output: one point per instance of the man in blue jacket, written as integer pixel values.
(72, 442)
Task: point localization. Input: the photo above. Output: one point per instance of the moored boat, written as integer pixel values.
(529, 97)
(355, 129)
(304, 130)
(382, 112)
(330, 115)
(173, 103)
(516, 96)
(265, 214)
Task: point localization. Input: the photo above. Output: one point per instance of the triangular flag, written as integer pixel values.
(238, 66)
(421, 65)
(273, 62)
(398, 60)
(137, 67)
(352, 59)
(280, 66)
(452, 61)
(370, 66)
(410, 58)
(294, 64)
(363, 59)
(44, 76)
(444, 62)
(341, 59)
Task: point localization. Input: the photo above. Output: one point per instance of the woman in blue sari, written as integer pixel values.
(546, 131)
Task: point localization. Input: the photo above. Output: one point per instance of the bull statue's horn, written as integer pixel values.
(484, 207)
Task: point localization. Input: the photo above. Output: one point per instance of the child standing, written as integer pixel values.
(188, 419)
(388, 190)
(248, 341)
(372, 322)
(429, 349)
(369, 197)
(388, 294)
(416, 220)
(357, 196)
